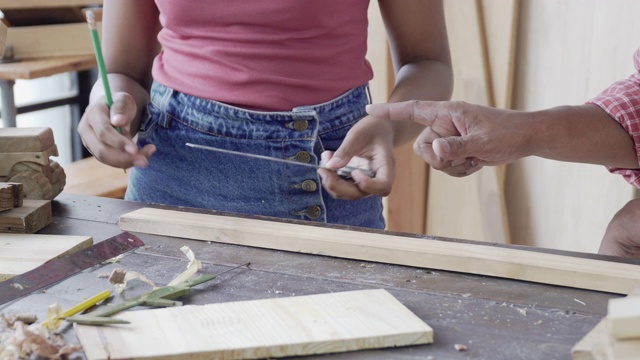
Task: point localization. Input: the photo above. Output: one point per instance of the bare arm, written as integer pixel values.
(492, 136)
(420, 52)
(129, 31)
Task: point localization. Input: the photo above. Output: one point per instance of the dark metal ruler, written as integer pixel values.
(61, 268)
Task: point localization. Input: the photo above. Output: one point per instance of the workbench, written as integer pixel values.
(495, 318)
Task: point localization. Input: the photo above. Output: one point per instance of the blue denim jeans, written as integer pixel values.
(186, 176)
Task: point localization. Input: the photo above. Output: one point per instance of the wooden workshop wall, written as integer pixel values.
(565, 52)
(568, 51)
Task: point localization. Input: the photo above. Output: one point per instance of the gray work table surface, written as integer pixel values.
(495, 318)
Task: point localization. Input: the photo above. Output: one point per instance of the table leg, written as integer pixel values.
(9, 111)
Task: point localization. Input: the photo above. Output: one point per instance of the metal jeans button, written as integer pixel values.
(313, 212)
(309, 186)
(303, 157)
(301, 125)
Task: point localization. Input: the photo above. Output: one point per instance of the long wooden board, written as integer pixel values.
(20, 253)
(303, 325)
(430, 253)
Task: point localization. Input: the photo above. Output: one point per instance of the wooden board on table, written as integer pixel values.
(599, 345)
(302, 325)
(45, 41)
(20, 253)
(32, 216)
(19, 140)
(471, 258)
(26, 4)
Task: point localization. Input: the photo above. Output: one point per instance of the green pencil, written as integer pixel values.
(91, 19)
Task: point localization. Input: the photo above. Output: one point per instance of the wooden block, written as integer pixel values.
(10, 195)
(91, 177)
(27, 4)
(599, 345)
(506, 262)
(20, 253)
(623, 317)
(46, 41)
(29, 139)
(302, 325)
(32, 216)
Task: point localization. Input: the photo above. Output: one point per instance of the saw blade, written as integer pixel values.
(62, 268)
(344, 172)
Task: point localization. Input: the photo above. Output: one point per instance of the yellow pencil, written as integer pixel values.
(81, 306)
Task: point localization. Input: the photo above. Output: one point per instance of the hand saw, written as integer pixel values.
(61, 268)
(344, 172)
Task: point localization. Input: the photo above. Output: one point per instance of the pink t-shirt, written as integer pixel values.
(263, 54)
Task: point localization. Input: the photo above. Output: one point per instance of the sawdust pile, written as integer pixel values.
(19, 340)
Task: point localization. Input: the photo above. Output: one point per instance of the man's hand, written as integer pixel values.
(622, 237)
(460, 138)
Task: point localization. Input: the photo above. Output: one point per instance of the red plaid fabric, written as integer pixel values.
(622, 101)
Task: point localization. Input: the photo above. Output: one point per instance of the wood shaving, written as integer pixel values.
(460, 347)
(193, 267)
(113, 260)
(20, 341)
(120, 277)
(17, 286)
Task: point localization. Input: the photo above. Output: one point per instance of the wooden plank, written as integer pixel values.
(471, 258)
(91, 177)
(302, 325)
(20, 253)
(32, 216)
(36, 68)
(46, 41)
(26, 4)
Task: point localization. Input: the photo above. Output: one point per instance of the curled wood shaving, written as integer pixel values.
(120, 277)
(193, 267)
(54, 317)
(20, 341)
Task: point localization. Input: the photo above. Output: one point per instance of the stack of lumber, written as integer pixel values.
(617, 336)
(21, 216)
(46, 28)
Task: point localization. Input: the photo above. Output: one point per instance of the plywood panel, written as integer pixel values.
(303, 325)
(473, 207)
(20, 253)
(427, 253)
(562, 61)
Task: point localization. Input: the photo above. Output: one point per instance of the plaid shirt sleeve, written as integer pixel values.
(622, 102)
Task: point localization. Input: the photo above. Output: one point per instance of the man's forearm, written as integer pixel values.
(584, 133)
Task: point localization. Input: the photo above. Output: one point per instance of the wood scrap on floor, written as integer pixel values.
(21, 341)
(546, 268)
(303, 325)
(29, 218)
(20, 253)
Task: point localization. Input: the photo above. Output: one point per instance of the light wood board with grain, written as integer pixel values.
(20, 253)
(505, 262)
(268, 328)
